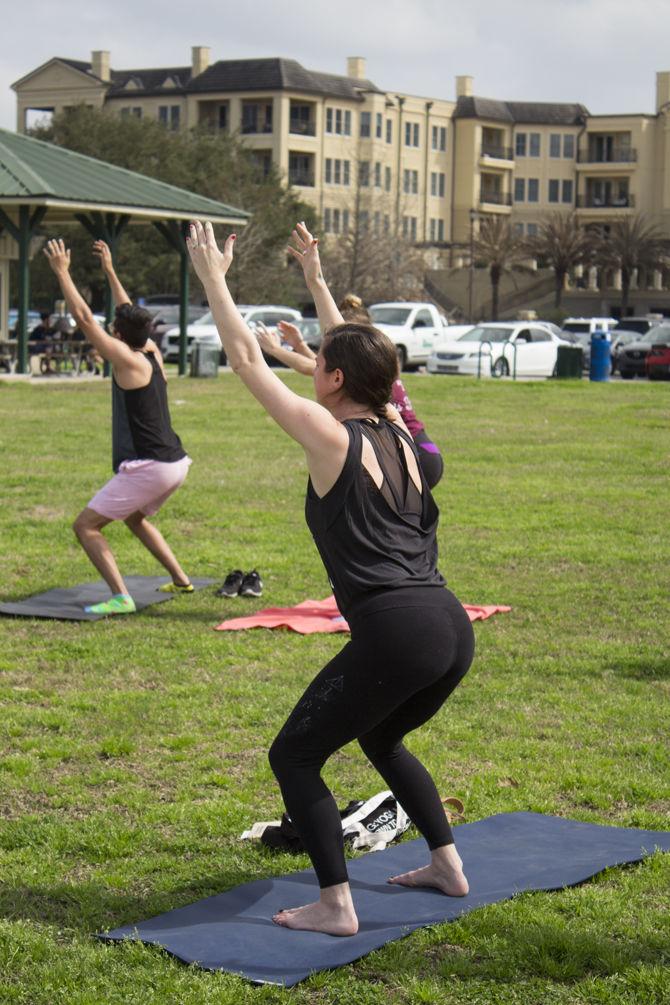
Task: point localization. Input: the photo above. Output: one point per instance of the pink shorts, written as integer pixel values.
(139, 485)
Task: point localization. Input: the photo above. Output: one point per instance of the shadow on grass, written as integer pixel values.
(643, 667)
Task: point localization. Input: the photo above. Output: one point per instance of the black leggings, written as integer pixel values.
(395, 673)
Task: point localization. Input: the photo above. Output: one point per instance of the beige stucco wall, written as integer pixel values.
(56, 87)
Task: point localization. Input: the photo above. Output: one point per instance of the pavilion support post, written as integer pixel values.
(23, 234)
(175, 235)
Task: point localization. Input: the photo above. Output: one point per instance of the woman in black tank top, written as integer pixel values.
(374, 523)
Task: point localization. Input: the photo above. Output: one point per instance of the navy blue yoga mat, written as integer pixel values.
(506, 854)
(68, 603)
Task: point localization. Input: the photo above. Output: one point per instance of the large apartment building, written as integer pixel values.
(425, 167)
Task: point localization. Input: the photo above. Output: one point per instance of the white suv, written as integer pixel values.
(203, 331)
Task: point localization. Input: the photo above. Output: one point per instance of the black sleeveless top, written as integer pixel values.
(374, 541)
(141, 426)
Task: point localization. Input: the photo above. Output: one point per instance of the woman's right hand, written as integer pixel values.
(307, 253)
(267, 340)
(290, 333)
(207, 260)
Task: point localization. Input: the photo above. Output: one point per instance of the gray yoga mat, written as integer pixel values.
(67, 603)
(504, 855)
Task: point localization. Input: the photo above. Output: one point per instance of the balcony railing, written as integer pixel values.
(496, 198)
(609, 202)
(302, 128)
(303, 178)
(256, 127)
(626, 155)
(500, 153)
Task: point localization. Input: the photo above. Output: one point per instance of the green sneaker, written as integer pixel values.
(176, 588)
(120, 603)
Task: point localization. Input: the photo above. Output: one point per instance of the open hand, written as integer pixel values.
(290, 333)
(208, 261)
(103, 254)
(267, 340)
(57, 255)
(306, 252)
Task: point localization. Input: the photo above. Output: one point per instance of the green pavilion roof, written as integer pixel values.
(41, 174)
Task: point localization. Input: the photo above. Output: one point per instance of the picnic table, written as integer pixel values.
(53, 355)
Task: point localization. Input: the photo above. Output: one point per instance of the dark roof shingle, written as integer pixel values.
(528, 112)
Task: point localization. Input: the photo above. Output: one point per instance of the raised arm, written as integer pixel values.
(291, 334)
(104, 255)
(112, 349)
(306, 251)
(271, 343)
(323, 438)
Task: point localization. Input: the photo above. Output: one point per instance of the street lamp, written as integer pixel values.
(471, 278)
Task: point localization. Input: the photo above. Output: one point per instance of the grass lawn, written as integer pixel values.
(133, 751)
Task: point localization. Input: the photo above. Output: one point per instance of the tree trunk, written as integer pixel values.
(495, 283)
(559, 277)
(625, 290)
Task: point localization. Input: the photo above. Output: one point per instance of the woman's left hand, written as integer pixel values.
(208, 261)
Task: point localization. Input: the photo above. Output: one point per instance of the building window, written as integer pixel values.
(533, 190)
(555, 145)
(519, 189)
(437, 181)
(336, 221)
(566, 195)
(256, 116)
(520, 144)
(346, 172)
(337, 122)
(387, 223)
(347, 123)
(441, 185)
(389, 131)
(328, 174)
(168, 115)
(410, 182)
(411, 134)
(329, 126)
(365, 124)
(223, 116)
(415, 182)
(364, 174)
(345, 221)
(377, 222)
(262, 161)
(439, 138)
(518, 229)
(569, 146)
(534, 144)
(405, 181)
(553, 189)
(379, 123)
(327, 222)
(337, 171)
(363, 220)
(531, 229)
(410, 227)
(433, 182)
(301, 121)
(437, 230)
(378, 175)
(387, 178)
(300, 169)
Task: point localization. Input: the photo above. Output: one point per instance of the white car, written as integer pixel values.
(451, 333)
(203, 331)
(412, 327)
(498, 349)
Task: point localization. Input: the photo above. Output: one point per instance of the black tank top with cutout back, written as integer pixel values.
(374, 541)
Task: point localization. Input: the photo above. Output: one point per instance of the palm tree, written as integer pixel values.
(632, 243)
(562, 244)
(500, 250)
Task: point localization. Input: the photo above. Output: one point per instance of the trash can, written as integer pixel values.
(600, 357)
(569, 361)
(205, 360)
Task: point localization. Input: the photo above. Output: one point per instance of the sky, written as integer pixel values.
(601, 53)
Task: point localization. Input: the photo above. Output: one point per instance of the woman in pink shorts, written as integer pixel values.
(149, 460)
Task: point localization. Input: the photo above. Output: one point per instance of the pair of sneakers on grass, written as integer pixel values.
(241, 584)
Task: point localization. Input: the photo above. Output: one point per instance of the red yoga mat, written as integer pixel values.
(323, 616)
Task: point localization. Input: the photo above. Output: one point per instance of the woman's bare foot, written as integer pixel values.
(333, 914)
(444, 873)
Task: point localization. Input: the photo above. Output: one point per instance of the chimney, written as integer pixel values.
(100, 65)
(356, 67)
(464, 87)
(200, 55)
(662, 90)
